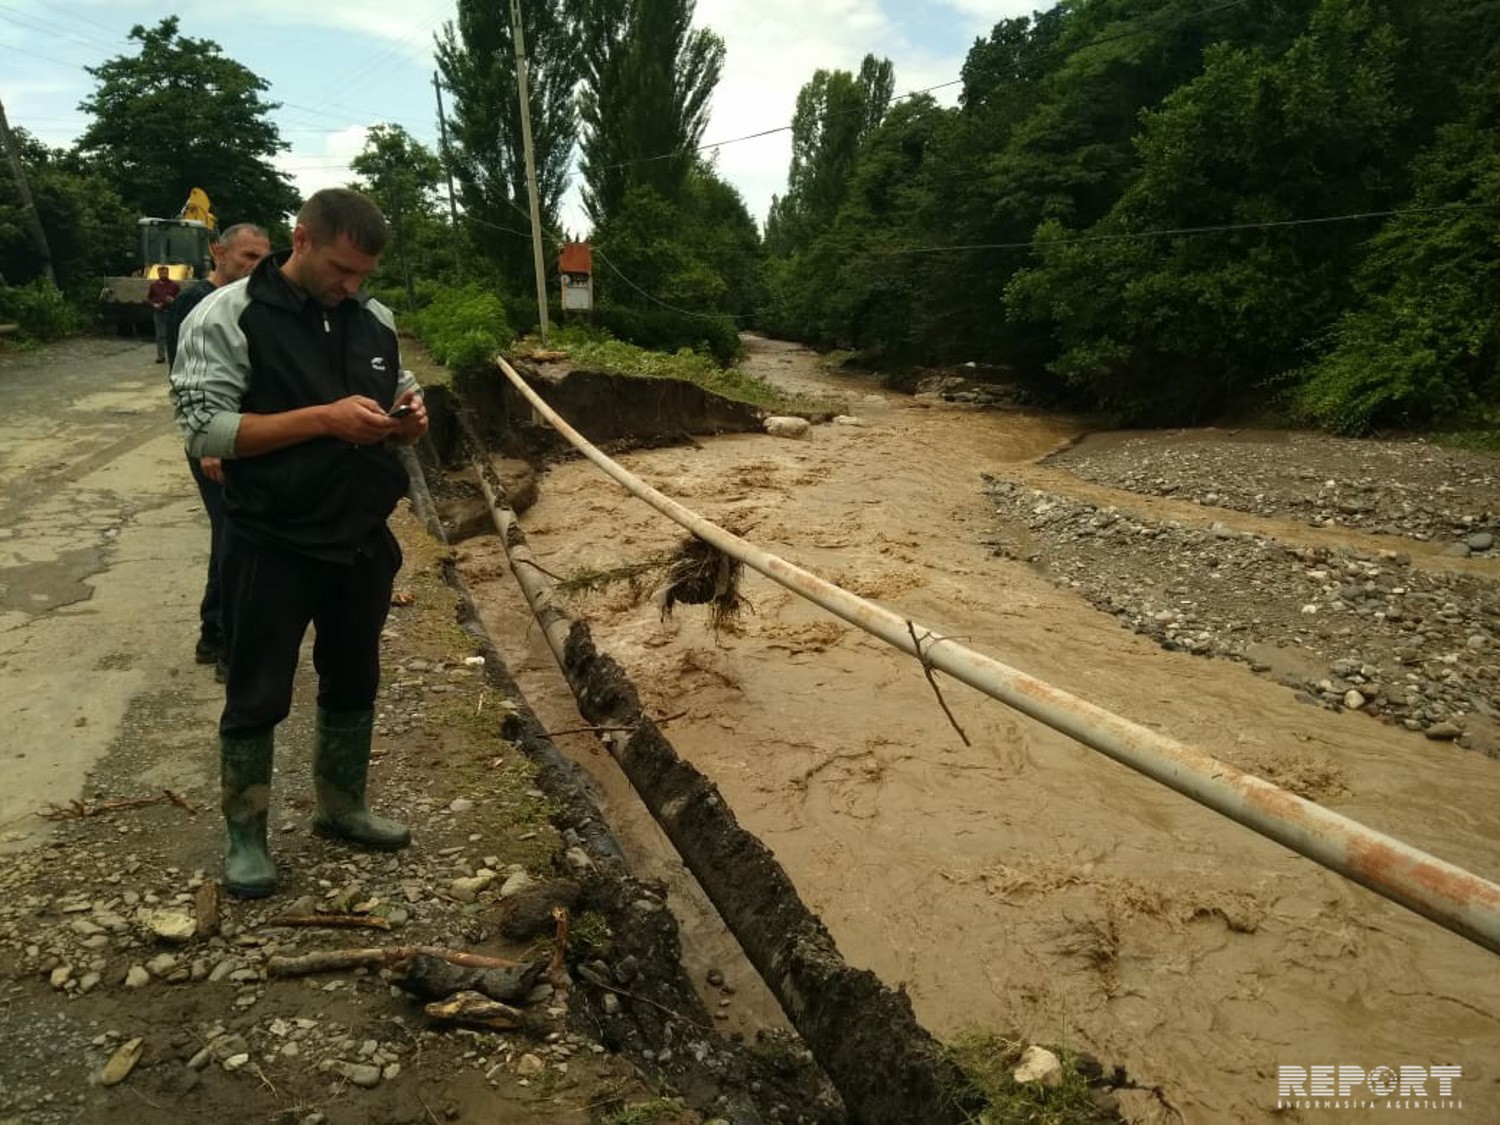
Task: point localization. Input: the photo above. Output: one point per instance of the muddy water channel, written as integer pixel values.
(1021, 883)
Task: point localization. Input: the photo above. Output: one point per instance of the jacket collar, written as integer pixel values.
(269, 285)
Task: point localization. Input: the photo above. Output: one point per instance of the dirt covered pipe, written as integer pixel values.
(865, 1036)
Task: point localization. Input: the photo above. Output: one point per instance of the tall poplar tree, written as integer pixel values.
(648, 76)
(477, 59)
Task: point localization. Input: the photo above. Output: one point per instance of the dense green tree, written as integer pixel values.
(835, 112)
(1422, 342)
(648, 77)
(402, 176)
(179, 114)
(90, 231)
(478, 62)
(1180, 325)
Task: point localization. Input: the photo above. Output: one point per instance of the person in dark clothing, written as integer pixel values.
(238, 250)
(294, 377)
(160, 295)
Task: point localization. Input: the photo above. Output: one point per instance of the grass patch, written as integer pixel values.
(658, 1111)
(993, 1097)
(1471, 441)
(599, 351)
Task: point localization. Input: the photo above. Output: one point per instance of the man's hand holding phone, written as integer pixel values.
(410, 416)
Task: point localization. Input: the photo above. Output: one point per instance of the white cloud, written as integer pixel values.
(773, 48)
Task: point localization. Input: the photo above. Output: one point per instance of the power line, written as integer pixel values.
(1216, 228)
(768, 132)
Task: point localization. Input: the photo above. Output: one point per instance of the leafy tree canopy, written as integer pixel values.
(179, 114)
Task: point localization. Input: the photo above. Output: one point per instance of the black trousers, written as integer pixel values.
(210, 612)
(270, 596)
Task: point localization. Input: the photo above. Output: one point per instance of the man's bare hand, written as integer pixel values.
(359, 421)
(411, 427)
(213, 468)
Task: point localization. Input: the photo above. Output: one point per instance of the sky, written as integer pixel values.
(340, 66)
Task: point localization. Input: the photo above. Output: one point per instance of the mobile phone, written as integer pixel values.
(401, 411)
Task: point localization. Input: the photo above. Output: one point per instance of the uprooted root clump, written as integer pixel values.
(697, 573)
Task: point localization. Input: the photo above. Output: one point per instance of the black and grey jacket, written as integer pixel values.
(259, 346)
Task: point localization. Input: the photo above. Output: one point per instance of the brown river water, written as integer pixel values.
(1025, 883)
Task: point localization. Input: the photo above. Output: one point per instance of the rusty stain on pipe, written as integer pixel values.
(1448, 895)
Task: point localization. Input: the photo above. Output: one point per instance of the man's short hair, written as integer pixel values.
(332, 212)
(229, 234)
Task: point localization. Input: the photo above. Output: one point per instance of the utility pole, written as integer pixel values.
(536, 207)
(34, 221)
(458, 258)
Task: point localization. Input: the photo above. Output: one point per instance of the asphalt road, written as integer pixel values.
(103, 542)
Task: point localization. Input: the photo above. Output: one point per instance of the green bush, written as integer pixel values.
(40, 309)
(464, 327)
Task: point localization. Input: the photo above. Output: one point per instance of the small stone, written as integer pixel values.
(1481, 541)
(89, 982)
(515, 884)
(611, 1004)
(460, 805)
(1354, 700)
(467, 890)
(200, 1060)
(161, 965)
(235, 1062)
(61, 975)
(1443, 732)
(173, 926)
(715, 978)
(783, 427)
(530, 1065)
(122, 1062)
(362, 1075)
(391, 1071)
(1040, 1066)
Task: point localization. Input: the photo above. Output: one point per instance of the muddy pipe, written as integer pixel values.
(865, 1036)
(1454, 898)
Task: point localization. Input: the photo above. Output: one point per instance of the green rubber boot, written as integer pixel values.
(245, 772)
(341, 764)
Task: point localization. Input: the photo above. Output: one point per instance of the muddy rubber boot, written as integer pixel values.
(341, 764)
(245, 771)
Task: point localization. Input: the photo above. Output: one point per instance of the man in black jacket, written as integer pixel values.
(238, 251)
(294, 377)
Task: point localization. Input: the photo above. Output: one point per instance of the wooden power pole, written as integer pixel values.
(458, 258)
(536, 207)
(33, 220)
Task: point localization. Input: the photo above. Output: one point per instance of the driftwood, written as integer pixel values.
(336, 921)
(342, 960)
(474, 1010)
(429, 978)
(556, 972)
(206, 910)
(79, 810)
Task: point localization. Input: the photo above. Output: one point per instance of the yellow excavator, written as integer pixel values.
(180, 244)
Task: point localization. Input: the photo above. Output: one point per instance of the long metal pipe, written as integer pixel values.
(1434, 888)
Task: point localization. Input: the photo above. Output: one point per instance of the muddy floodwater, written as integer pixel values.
(1022, 882)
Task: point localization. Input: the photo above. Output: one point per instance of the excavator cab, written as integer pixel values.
(182, 245)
